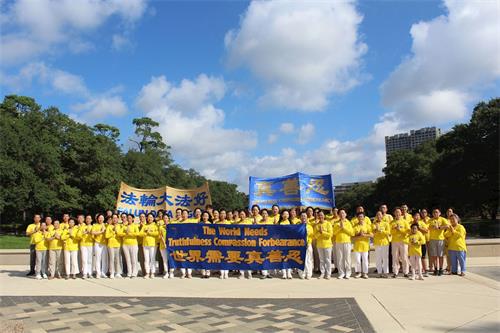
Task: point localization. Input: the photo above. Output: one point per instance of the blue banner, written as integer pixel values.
(294, 190)
(236, 247)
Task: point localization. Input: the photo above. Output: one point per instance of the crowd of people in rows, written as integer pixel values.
(114, 245)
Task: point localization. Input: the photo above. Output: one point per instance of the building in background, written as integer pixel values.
(410, 140)
(342, 188)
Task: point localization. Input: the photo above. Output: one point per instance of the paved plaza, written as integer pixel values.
(437, 304)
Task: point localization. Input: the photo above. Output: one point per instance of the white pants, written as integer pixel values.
(41, 262)
(309, 263)
(224, 273)
(325, 261)
(71, 262)
(382, 259)
(399, 253)
(343, 251)
(189, 271)
(334, 257)
(98, 252)
(114, 260)
(105, 261)
(86, 260)
(286, 273)
(265, 272)
(165, 260)
(149, 259)
(130, 252)
(416, 265)
(361, 262)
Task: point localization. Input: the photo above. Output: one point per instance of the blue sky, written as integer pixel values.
(257, 88)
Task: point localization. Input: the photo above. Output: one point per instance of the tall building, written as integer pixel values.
(344, 187)
(410, 140)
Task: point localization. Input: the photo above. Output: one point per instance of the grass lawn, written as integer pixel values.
(14, 242)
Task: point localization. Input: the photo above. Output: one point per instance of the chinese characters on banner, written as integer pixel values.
(135, 201)
(294, 190)
(232, 247)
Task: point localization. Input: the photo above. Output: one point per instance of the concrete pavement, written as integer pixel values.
(437, 304)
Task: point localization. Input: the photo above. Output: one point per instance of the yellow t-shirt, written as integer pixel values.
(274, 218)
(387, 218)
(285, 222)
(426, 223)
(323, 234)
(85, 239)
(295, 220)
(224, 222)
(415, 244)
(456, 238)
(355, 222)
(101, 238)
(129, 234)
(32, 228)
(162, 230)
(362, 243)
(257, 218)
(70, 239)
(247, 220)
(401, 234)
(113, 236)
(64, 226)
(381, 233)
(310, 233)
(268, 221)
(343, 234)
(408, 218)
(149, 232)
(437, 234)
(56, 244)
(40, 241)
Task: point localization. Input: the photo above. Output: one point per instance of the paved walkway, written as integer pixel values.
(437, 304)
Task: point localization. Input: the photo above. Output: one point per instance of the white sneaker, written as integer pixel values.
(152, 276)
(119, 276)
(189, 276)
(301, 277)
(146, 276)
(357, 276)
(44, 276)
(38, 277)
(112, 277)
(165, 276)
(171, 275)
(365, 276)
(340, 277)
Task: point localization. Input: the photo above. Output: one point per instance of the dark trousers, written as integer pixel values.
(124, 262)
(159, 258)
(141, 260)
(390, 258)
(32, 258)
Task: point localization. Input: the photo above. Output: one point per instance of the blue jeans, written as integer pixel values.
(457, 258)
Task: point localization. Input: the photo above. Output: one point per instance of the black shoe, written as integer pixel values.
(269, 276)
(335, 271)
(30, 274)
(406, 275)
(435, 272)
(263, 277)
(440, 272)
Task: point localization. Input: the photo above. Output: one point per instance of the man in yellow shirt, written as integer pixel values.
(399, 233)
(385, 216)
(323, 233)
(99, 232)
(30, 231)
(129, 234)
(437, 226)
(41, 246)
(70, 238)
(112, 236)
(55, 251)
(309, 263)
(86, 246)
(343, 232)
(354, 220)
(404, 213)
(362, 235)
(381, 239)
(149, 232)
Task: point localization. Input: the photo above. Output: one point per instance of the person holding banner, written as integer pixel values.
(343, 232)
(162, 236)
(308, 266)
(324, 233)
(129, 233)
(149, 232)
(243, 219)
(285, 215)
(205, 219)
(265, 220)
(275, 214)
(224, 273)
(98, 232)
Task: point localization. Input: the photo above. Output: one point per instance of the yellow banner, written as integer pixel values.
(135, 201)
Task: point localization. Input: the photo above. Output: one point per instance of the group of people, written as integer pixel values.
(115, 245)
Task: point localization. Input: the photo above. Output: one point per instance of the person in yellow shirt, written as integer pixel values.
(285, 220)
(86, 246)
(425, 219)
(30, 231)
(399, 233)
(381, 239)
(416, 240)
(355, 220)
(149, 232)
(405, 214)
(422, 228)
(385, 216)
(129, 234)
(323, 233)
(437, 226)
(362, 235)
(48, 222)
(265, 220)
(70, 238)
(275, 214)
(112, 235)
(243, 219)
(293, 216)
(255, 214)
(224, 273)
(456, 245)
(308, 265)
(98, 232)
(343, 232)
(162, 236)
(55, 251)
(64, 225)
(197, 215)
(41, 245)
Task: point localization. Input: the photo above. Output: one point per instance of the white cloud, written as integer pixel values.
(120, 42)
(37, 27)
(287, 128)
(306, 133)
(193, 126)
(100, 107)
(272, 138)
(453, 57)
(302, 51)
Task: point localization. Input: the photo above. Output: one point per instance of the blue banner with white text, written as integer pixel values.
(294, 190)
(236, 247)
